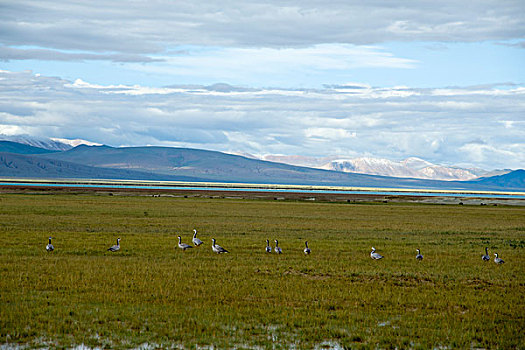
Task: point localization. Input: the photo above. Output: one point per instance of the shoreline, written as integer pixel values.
(269, 187)
(269, 194)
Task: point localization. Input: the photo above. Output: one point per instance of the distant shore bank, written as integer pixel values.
(262, 191)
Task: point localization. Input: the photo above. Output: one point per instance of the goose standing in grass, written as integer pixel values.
(374, 255)
(116, 247)
(497, 259)
(277, 249)
(268, 248)
(197, 242)
(217, 248)
(49, 246)
(183, 246)
(306, 250)
(419, 256)
(486, 257)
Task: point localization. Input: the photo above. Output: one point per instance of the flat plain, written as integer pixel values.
(151, 292)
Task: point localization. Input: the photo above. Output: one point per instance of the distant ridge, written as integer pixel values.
(185, 164)
(33, 166)
(39, 142)
(20, 148)
(514, 179)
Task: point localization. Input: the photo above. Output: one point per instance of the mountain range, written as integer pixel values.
(411, 167)
(48, 144)
(184, 164)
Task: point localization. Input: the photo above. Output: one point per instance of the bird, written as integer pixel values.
(268, 248)
(49, 246)
(183, 246)
(197, 242)
(277, 249)
(486, 257)
(374, 255)
(217, 248)
(306, 250)
(498, 260)
(419, 256)
(116, 247)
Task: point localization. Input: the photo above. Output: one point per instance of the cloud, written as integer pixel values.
(478, 126)
(518, 44)
(326, 134)
(480, 152)
(270, 65)
(146, 27)
(10, 53)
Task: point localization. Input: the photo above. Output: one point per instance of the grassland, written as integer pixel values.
(151, 292)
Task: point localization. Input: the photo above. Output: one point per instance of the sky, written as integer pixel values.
(443, 81)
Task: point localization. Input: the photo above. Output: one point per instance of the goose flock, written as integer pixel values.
(268, 249)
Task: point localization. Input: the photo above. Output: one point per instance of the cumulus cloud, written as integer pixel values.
(146, 27)
(478, 126)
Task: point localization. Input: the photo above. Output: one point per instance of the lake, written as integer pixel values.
(269, 188)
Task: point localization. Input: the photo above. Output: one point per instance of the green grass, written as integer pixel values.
(151, 292)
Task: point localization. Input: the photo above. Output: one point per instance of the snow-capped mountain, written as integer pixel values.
(53, 144)
(309, 162)
(40, 142)
(416, 163)
(410, 167)
(75, 142)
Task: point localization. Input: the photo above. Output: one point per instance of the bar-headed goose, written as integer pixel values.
(306, 250)
(49, 246)
(374, 255)
(116, 247)
(268, 248)
(497, 259)
(217, 248)
(486, 257)
(419, 256)
(277, 249)
(197, 242)
(183, 246)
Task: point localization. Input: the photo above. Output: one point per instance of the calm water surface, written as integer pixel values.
(313, 191)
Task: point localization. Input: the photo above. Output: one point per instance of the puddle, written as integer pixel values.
(328, 345)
